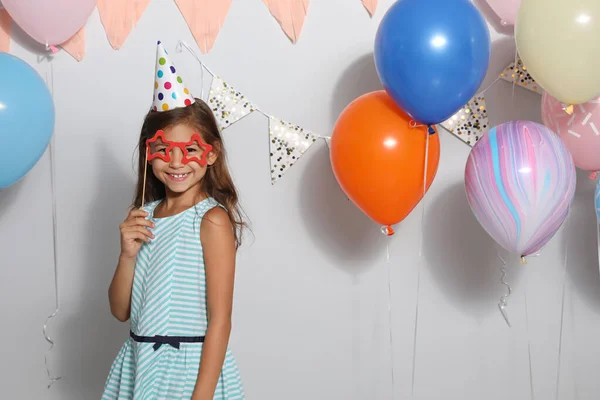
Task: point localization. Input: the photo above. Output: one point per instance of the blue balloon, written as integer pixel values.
(26, 118)
(432, 55)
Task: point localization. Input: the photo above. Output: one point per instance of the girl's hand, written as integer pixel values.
(134, 232)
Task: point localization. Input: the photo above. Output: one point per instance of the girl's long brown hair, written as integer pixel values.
(217, 183)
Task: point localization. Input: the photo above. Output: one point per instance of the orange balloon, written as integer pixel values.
(378, 157)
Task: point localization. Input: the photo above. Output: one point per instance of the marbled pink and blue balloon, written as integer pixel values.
(520, 181)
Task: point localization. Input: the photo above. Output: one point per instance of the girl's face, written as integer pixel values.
(177, 164)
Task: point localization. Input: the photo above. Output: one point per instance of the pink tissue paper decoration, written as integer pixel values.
(5, 22)
(119, 17)
(205, 19)
(290, 14)
(370, 5)
(75, 46)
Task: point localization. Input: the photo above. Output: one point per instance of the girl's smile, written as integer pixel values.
(178, 177)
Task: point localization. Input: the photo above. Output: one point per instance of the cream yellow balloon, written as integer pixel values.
(559, 43)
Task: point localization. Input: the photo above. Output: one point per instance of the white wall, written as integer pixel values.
(311, 305)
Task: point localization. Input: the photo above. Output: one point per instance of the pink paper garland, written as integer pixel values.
(370, 5)
(290, 14)
(76, 45)
(205, 19)
(5, 22)
(119, 17)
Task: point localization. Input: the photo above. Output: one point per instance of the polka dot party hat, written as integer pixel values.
(169, 90)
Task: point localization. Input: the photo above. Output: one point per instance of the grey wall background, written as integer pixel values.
(311, 303)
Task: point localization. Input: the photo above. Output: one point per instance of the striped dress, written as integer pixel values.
(169, 299)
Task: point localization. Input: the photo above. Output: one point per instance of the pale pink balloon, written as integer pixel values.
(505, 9)
(580, 131)
(50, 22)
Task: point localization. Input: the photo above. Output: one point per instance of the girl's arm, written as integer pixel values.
(134, 232)
(219, 258)
(119, 292)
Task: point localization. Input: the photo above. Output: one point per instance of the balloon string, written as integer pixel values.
(424, 191)
(574, 334)
(562, 311)
(528, 340)
(389, 271)
(529, 348)
(503, 299)
(414, 358)
(50, 83)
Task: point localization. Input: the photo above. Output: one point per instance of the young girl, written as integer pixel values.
(175, 275)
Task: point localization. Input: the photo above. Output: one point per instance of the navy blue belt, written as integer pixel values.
(173, 341)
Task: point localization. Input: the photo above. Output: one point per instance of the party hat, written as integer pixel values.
(169, 90)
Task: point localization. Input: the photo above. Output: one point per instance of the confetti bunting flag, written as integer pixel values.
(5, 22)
(75, 46)
(290, 14)
(517, 73)
(470, 122)
(228, 105)
(287, 143)
(119, 17)
(205, 19)
(370, 5)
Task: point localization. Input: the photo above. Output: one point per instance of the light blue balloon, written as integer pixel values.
(26, 118)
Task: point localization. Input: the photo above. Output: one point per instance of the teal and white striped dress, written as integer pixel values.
(169, 299)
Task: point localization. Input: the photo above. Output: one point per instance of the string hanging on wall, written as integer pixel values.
(52, 156)
(562, 310)
(421, 248)
(503, 304)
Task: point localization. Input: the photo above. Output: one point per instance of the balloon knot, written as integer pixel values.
(523, 260)
(593, 176)
(52, 49)
(569, 109)
(431, 130)
(387, 230)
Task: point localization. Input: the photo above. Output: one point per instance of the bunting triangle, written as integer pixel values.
(370, 5)
(517, 73)
(5, 22)
(470, 123)
(75, 46)
(205, 19)
(228, 105)
(119, 17)
(290, 14)
(287, 143)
